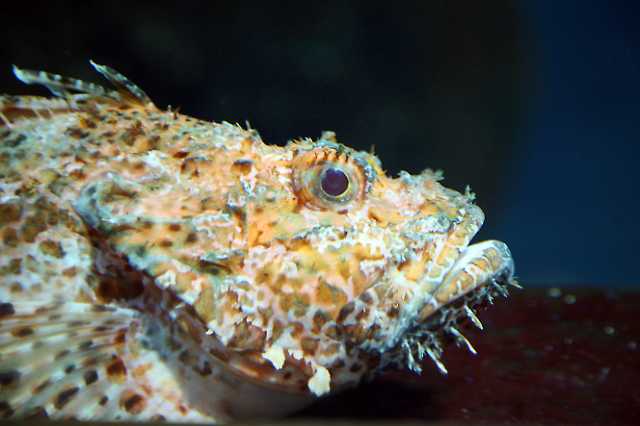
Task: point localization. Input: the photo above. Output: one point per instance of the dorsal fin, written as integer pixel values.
(61, 86)
(123, 85)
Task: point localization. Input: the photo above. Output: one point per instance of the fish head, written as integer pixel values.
(359, 270)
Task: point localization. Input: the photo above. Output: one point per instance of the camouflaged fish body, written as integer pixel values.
(158, 266)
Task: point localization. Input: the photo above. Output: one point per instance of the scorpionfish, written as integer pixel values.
(156, 266)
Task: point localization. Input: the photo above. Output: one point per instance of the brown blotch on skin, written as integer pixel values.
(117, 369)
(133, 403)
(346, 311)
(10, 212)
(42, 386)
(8, 378)
(362, 314)
(192, 166)
(6, 309)
(14, 267)
(375, 216)
(242, 166)
(180, 154)
(153, 142)
(10, 237)
(394, 312)
(174, 227)
(139, 166)
(298, 329)
(76, 133)
(89, 124)
(130, 135)
(320, 318)
(103, 400)
(165, 243)
(309, 345)
(78, 174)
(121, 337)
(22, 331)
(70, 272)
(64, 397)
(51, 248)
(31, 228)
(192, 237)
(90, 376)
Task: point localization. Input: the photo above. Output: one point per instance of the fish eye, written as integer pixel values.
(325, 178)
(334, 182)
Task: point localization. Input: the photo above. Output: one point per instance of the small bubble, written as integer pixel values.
(568, 341)
(609, 331)
(569, 299)
(604, 372)
(554, 292)
(632, 345)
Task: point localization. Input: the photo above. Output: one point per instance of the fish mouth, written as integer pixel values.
(482, 272)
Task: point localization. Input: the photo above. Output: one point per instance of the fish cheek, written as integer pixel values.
(180, 252)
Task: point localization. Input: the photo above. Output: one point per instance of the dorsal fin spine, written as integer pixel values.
(58, 85)
(125, 86)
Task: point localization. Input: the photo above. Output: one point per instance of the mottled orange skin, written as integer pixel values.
(233, 249)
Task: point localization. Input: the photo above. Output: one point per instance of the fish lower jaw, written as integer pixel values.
(482, 272)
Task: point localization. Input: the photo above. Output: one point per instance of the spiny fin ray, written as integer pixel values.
(59, 85)
(57, 359)
(65, 87)
(122, 84)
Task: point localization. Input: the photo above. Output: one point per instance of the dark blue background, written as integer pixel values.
(533, 103)
(572, 210)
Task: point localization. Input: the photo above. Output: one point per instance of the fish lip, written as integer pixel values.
(471, 252)
(465, 276)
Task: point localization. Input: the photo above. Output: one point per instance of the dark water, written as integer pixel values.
(535, 104)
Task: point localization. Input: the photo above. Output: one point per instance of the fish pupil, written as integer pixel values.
(334, 182)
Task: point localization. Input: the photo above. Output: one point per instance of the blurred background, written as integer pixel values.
(535, 104)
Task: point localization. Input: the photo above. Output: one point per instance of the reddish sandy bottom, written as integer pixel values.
(545, 357)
